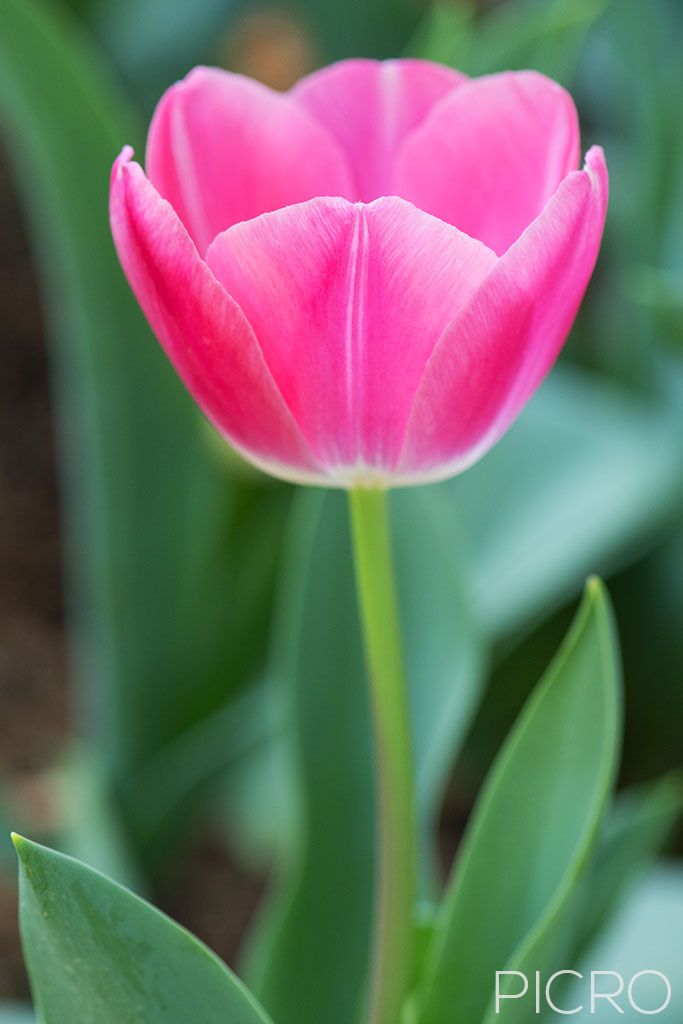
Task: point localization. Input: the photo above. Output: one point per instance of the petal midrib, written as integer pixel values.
(354, 333)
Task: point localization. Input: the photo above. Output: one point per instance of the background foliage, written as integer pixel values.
(212, 677)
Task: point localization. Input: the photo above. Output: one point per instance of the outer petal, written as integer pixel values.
(495, 354)
(490, 155)
(223, 148)
(370, 107)
(347, 302)
(204, 332)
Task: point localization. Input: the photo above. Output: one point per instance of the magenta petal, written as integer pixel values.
(370, 107)
(490, 155)
(496, 352)
(202, 329)
(347, 302)
(223, 148)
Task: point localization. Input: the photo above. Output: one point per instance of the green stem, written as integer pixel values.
(392, 953)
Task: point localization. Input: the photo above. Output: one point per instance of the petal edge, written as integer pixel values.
(202, 329)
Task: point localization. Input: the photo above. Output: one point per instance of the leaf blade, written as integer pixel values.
(497, 906)
(97, 952)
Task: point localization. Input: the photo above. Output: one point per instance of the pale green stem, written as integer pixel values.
(392, 950)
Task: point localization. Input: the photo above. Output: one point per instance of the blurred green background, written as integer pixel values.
(178, 640)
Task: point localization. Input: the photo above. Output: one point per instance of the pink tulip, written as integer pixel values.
(361, 281)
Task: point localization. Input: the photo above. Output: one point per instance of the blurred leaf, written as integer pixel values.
(310, 957)
(259, 797)
(155, 42)
(423, 936)
(5, 843)
(445, 34)
(647, 934)
(635, 832)
(536, 34)
(543, 34)
(640, 47)
(88, 822)
(661, 293)
(177, 780)
(533, 828)
(629, 81)
(584, 479)
(15, 1013)
(379, 29)
(95, 952)
(159, 542)
(648, 598)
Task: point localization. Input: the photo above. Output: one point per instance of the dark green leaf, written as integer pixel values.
(445, 35)
(541, 34)
(178, 778)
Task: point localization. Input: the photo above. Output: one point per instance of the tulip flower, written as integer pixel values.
(361, 281)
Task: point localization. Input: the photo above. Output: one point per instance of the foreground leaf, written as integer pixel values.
(533, 829)
(95, 952)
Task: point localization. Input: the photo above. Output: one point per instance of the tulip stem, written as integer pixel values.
(392, 951)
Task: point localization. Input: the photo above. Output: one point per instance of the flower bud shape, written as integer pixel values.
(361, 281)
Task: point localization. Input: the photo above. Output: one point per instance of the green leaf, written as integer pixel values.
(339, 29)
(309, 961)
(635, 832)
(96, 952)
(661, 293)
(154, 42)
(533, 829)
(179, 777)
(445, 34)
(564, 493)
(89, 826)
(543, 34)
(539, 34)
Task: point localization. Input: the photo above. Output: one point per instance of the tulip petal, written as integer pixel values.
(223, 148)
(490, 155)
(202, 329)
(370, 107)
(494, 355)
(347, 302)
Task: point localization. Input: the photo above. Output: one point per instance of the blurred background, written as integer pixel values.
(174, 628)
